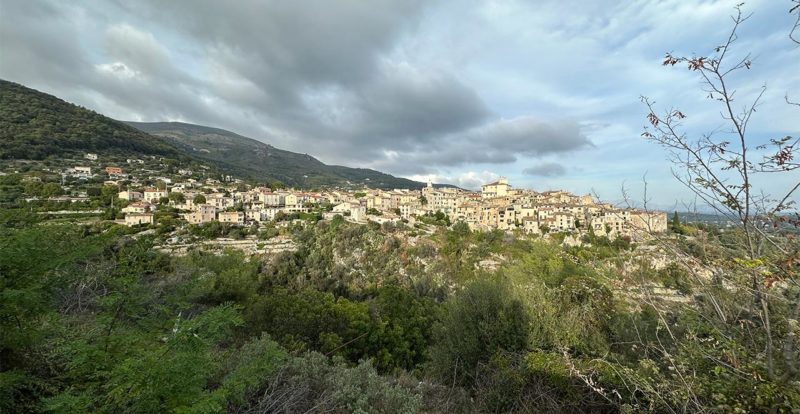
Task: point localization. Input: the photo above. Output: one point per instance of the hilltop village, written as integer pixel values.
(224, 199)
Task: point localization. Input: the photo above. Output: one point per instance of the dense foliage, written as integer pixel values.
(359, 318)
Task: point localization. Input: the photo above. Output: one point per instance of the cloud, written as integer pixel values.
(548, 169)
(471, 180)
(407, 102)
(139, 52)
(38, 40)
(503, 141)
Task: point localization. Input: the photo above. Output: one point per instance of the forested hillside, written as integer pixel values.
(35, 125)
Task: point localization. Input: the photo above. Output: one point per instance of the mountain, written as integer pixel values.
(35, 125)
(254, 159)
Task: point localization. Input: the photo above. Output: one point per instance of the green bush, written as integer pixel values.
(476, 323)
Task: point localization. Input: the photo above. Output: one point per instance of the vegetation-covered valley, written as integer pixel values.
(364, 318)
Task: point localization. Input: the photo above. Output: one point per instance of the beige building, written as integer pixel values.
(272, 199)
(233, 217)
(153, 195)
(612, 222)
(531, 225)
(255, 215)
(130, 195)
(219, 200)
(135, 219)
(138, 207)
(648, 221)
(356, 211)
(562, 221)
(498, 188)
(81, 172)
(205, 213)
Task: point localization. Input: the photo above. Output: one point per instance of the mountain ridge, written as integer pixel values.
(257, 159)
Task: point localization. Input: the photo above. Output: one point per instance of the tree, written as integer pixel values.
(177, 198)
(721, 169)
(480, 321)
(108, 194)
(199, 199)
(51, 190)
(796, 27)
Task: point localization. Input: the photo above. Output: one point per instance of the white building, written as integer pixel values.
(153, 195)
(81, 172)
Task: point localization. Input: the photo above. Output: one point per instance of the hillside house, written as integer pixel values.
(153, 195)
(205, 213)
(130, 195)
(138, 207)
(135, 219)
(233, 217)
(81, 172)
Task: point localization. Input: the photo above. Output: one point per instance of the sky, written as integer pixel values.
(546, 93)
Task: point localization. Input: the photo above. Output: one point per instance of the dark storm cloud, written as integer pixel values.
(291, 54)
(321, 79)
(505, 141)
(548, 169)
(508, 139)
(320, 42)
(499, 142)
(417, 105)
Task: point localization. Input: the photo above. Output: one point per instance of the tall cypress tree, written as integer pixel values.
(676, 222)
